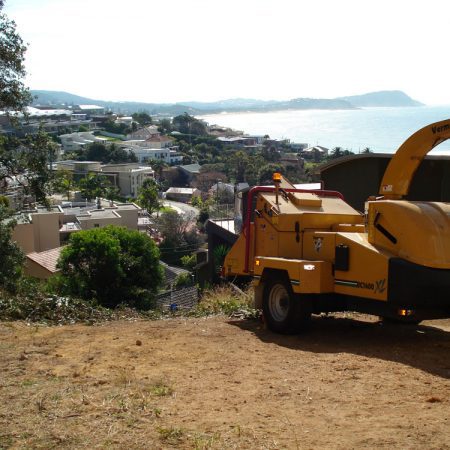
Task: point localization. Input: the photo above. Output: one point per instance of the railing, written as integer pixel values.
(223, 215)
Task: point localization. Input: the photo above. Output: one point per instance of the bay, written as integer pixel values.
(383, 130)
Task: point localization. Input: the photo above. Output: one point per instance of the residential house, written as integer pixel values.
(298, 147)
(243, 142)
(159, 142)
(37, 229)
(39, 232)
(183, 195)
(144, 133)
(189, 172)
(126, 120)
(76, 141)
(316, 153)
(258, 138)
(223, 191)
(105, 213)
(218, 130)
(42, 265)
(146, 155)
(53, 121)
(293, 160)
(89, 109)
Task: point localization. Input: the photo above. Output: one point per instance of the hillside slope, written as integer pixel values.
(382, 98)
(220, 383)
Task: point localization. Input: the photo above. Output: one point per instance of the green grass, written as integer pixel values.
(224, 300)
(160, 389)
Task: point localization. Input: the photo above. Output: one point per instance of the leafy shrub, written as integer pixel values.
(112, 265)
(183, 279)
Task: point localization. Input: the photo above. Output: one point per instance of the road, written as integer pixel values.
(181, 208)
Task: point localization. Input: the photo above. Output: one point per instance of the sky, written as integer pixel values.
(206, 50)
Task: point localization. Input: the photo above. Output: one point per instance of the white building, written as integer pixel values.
(90, 109)
(127, 120)
(128, 177)
(146, 155)
(76, 141)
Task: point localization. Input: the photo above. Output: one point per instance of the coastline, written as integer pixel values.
(382, 129)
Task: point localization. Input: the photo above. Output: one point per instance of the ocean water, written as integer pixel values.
(383, 130)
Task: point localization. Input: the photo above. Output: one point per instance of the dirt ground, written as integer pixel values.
(222, 383)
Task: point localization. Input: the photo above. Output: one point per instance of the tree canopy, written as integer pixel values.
(180, 235)
(24, 162)
(142, 118)
(187, 124)
(14, 96)
(28, 163)
(11, 256)
(95, 185)
(97, 151)
(148, 196)
(113, 265)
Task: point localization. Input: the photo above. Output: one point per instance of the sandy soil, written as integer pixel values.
(222, 383)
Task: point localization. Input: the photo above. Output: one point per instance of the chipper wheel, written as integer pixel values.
(284, 311)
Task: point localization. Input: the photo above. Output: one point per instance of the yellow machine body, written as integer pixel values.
(397, 255)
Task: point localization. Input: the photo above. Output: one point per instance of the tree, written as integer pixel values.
(187, 124)
(25, 162)
(180, 235)
(205, 180)
(116, 128)
(148, 196)
(158, 165)
(142, 118)
(120, 155)
(98, 151)
(95, 152)
(63, 182)
(14, 96)
(94, 185)
(165, 126)
(337, 152)
(239, 162)
(113, 265)
(11, 256)
(266, 173)
(28, 162)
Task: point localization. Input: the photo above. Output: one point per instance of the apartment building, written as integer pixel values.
(129, 178)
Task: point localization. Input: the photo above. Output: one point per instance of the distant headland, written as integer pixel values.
(372, 99)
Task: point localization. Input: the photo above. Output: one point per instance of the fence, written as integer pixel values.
(223, 215)
(184, 298)
(222, 211)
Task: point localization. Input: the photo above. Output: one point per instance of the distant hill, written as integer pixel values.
(383, 98)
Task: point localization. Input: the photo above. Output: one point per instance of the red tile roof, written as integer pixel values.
(47, 259)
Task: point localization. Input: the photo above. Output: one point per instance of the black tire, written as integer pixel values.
(284, 311)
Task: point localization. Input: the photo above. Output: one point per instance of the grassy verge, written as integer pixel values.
(225, 300)
(38, 307)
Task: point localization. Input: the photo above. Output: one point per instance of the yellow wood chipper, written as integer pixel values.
(309, 252)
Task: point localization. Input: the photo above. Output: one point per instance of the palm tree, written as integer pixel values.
(158, 165)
